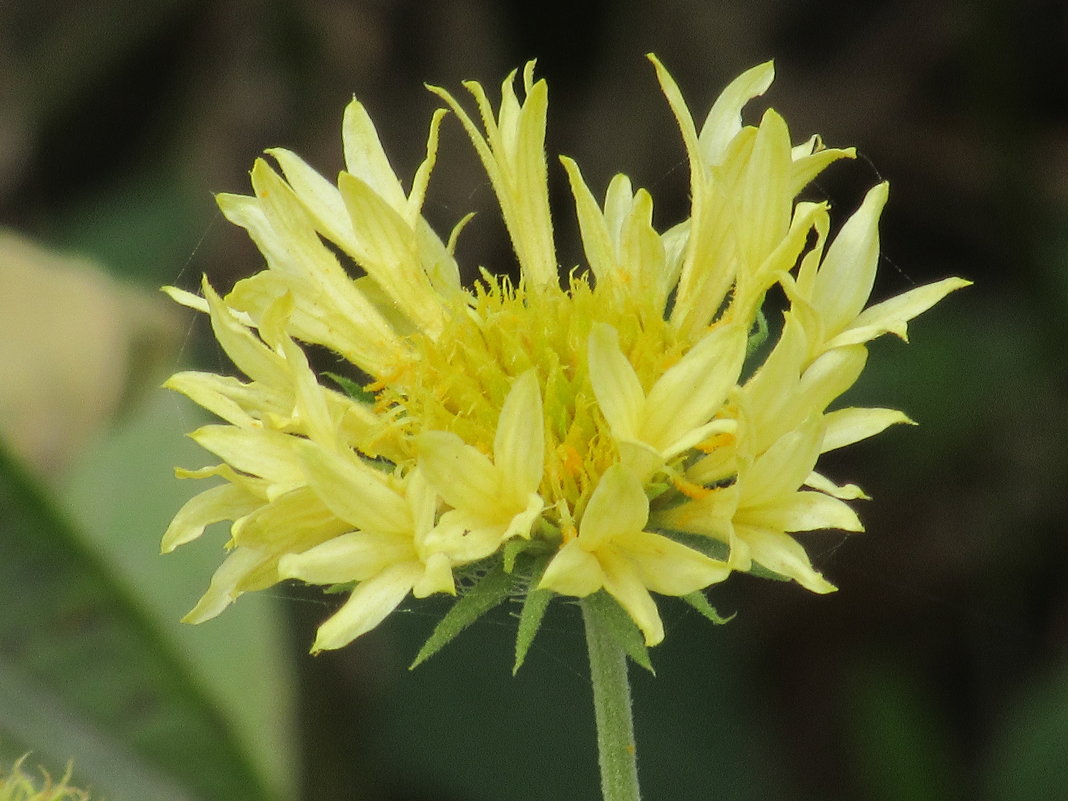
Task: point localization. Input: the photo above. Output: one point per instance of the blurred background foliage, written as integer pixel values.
(939, 670)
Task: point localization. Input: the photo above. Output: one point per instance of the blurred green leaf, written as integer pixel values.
(136, 460)
(85, 675)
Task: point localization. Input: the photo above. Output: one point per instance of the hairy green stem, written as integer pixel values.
(611, 704)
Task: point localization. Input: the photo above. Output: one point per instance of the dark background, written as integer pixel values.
(938, 671)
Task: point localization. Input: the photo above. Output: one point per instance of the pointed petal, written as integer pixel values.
(892, 316)
(782, 554)
(845, 492)
(846, 426)
(459, 473)
(225, 583)
(693, 390)
(437, 577)
(387, 248)
(217, 393)
(846, 276)
(366, 159)
(251, 356)
(724, 120)
(320, 197)
(519, 444)
(259, 452)
(596, 239)
(224, 502)
(614, 382)
(783, 468)
(618, 506)
(801, 511)
(355, 492)
(764, 206)
(370, 604)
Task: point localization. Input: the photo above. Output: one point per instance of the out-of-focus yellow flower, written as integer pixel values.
(585, 435)
(17, 785)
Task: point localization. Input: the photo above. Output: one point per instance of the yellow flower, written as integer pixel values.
(577, 436)
(613, 551)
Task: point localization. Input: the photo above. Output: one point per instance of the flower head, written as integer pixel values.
(606, 432)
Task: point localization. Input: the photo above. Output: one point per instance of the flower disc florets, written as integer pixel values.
(553, 439)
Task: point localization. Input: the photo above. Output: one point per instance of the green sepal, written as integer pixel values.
(351, 388)
(699, 602)
(758, 570)
(519, 547)
(656, 489)
(486, 594)
(339, 589)
(709, 546)
(620, 627)
(530, 617)
(758, 336)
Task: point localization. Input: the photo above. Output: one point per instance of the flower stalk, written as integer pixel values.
(616, 750)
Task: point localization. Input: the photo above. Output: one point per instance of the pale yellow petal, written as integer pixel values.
(292, 522)
(846, 492)
(724, 118)
(463, 476)
(387, 248)
(764, 205)
(355, 556)
(437, 577)
(694, 389)
(784, 467)
(354, 491)
(618, 506)
(224, 502)
(668, 567)
(366, 159)
(808, 165)
(622, 582)
(892, 316)
(368, 605)
(225, 583)
(801, 511)
(846, 276)
(850, 425)
(320, 197)
(519, 443)
(709, 515)
(614, 382)
(573, 571)
(597, 241)
(251, 356)
(218, 394)
(782, 554)
(259, 452)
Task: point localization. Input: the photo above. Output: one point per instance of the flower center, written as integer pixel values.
(458, 381)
